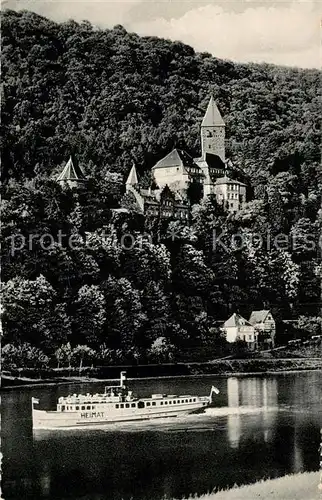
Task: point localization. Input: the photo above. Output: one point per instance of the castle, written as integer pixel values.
(177, 172)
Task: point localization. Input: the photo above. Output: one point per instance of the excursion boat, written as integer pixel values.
(116, 404)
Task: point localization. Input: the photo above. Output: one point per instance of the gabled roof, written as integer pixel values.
(211, 160)
(258, 316)
(236, 320)
(132, 178)
(71, 172)
(227, 180)
(212, 116)
(177, 158)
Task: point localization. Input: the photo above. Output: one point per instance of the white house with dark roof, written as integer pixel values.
(265, 325)
(238, 328)
(176, 170)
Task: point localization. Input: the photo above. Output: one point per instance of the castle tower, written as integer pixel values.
(71, 174)
(213, 132)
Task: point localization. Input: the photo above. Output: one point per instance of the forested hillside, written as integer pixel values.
(113, 98)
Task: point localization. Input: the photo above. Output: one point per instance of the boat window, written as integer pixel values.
(76, 407)
(83, 408)
(194, 400)
(127, 405)
(141, 404)
(161, 403)
(121, 405)
(88, 407)
(190, 400)
(166, 402)
(93, 407)
(133, 405)
(63, 408)
(117, 406)
(186, 401)
(170, 402)
(153, 403)
(148, 404)
(174, 402)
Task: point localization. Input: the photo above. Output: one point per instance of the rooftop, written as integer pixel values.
(212, 116)
(177, 158)
(71, 172)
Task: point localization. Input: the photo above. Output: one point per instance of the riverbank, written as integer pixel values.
(219, 368)
(291, 487)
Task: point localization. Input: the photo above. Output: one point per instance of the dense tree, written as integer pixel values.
(79, 270)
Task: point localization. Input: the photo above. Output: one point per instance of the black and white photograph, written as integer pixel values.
(161, 250)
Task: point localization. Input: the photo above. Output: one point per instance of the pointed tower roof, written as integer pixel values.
(212, 116)
(132, 178)
(71, 172)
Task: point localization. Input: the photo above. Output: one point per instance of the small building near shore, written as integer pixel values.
(238, 328)
(264, 324)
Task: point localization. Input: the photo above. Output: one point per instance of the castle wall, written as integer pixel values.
(175, 177)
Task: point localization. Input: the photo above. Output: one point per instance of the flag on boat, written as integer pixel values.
(35, 401)
(215, 390)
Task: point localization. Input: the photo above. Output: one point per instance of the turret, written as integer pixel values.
(71, 174)
(132, 179)
(213, 131)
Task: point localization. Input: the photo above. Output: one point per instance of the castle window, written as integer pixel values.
(208, 133)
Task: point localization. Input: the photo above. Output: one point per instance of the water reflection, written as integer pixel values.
(251, 393)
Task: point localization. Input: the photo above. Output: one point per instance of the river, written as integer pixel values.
(262, 426)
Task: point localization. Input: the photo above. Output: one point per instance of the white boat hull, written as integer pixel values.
(58, 420)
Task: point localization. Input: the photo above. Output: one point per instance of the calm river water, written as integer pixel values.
(261, 427)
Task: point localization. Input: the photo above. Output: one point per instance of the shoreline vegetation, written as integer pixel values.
(290, 487)
(221, 368)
